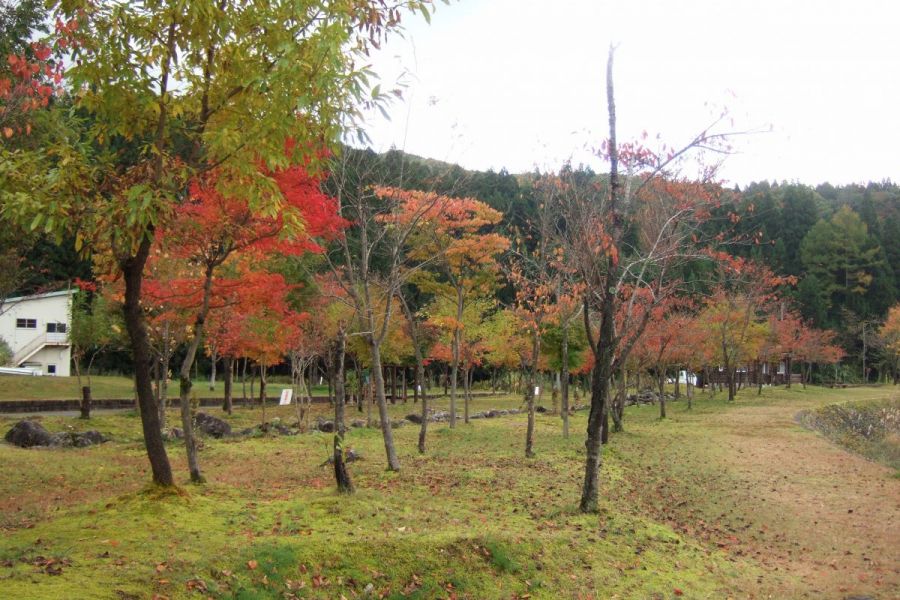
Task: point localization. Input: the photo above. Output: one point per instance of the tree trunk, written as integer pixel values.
(185, 383)
(393, 372)
(341, 474)
(759, 378)
(689, 386)
(465, 395)
(187, 424)
(423, 428)
(132, 270)
(228, 403)
(599, 398)
(564, 381)
(244, 380)
(455, 349)
(213, 359)
(86, 402)
(618, 403)
(732, 389)
(788, 367)
(403, 384)
(163, 385)
(454, 372)
(262, 390)
(360, 384)
(662, 393)
(387, 433)
(604, 347)
(529, 394)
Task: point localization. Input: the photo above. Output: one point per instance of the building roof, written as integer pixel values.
(39, 296)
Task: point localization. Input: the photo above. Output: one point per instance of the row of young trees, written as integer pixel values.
(205, 185)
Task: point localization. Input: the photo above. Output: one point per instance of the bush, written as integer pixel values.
(6, 353)
(871, 429)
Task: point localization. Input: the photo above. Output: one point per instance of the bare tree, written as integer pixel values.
(627, 252)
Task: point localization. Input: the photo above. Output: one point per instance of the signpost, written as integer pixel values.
(286, 395)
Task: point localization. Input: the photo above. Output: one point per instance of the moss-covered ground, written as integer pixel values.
(687, 512)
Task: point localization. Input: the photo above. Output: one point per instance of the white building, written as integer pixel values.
(36, 329)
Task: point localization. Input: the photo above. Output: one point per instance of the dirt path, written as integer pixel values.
(840, 511)
(823, 522)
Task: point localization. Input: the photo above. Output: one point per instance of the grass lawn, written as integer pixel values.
(715, 502)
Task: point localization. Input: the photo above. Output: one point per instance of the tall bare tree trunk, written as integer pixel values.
(604, 346)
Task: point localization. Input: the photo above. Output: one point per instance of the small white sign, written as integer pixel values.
(286, 395)
(537, 391)
(419, 388)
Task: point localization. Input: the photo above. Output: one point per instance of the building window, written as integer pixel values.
(26, 323)
(56, 327)
(51, 369)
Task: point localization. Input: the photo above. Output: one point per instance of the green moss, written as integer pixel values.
(472, 516)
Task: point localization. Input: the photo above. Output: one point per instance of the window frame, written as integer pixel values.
(26, 323)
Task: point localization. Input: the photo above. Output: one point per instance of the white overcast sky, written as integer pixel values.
(520, 83)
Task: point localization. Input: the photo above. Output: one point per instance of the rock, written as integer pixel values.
(90, 438)
(84, 439)
(368, 590)
(540, 409)
(26, 434)
(357, 423)
(175, 433)
(414, 418)
(478, 415)
(512, 411)
(211, 425)
(248, 432)
(398, 423)
(63, 439)
(325, 426)
(350, 456)
(492, 414)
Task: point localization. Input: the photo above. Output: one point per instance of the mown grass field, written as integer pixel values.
(727, 500)
(17, 387)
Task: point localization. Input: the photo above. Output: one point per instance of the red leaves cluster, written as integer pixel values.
(226, 236)
(32, 84)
